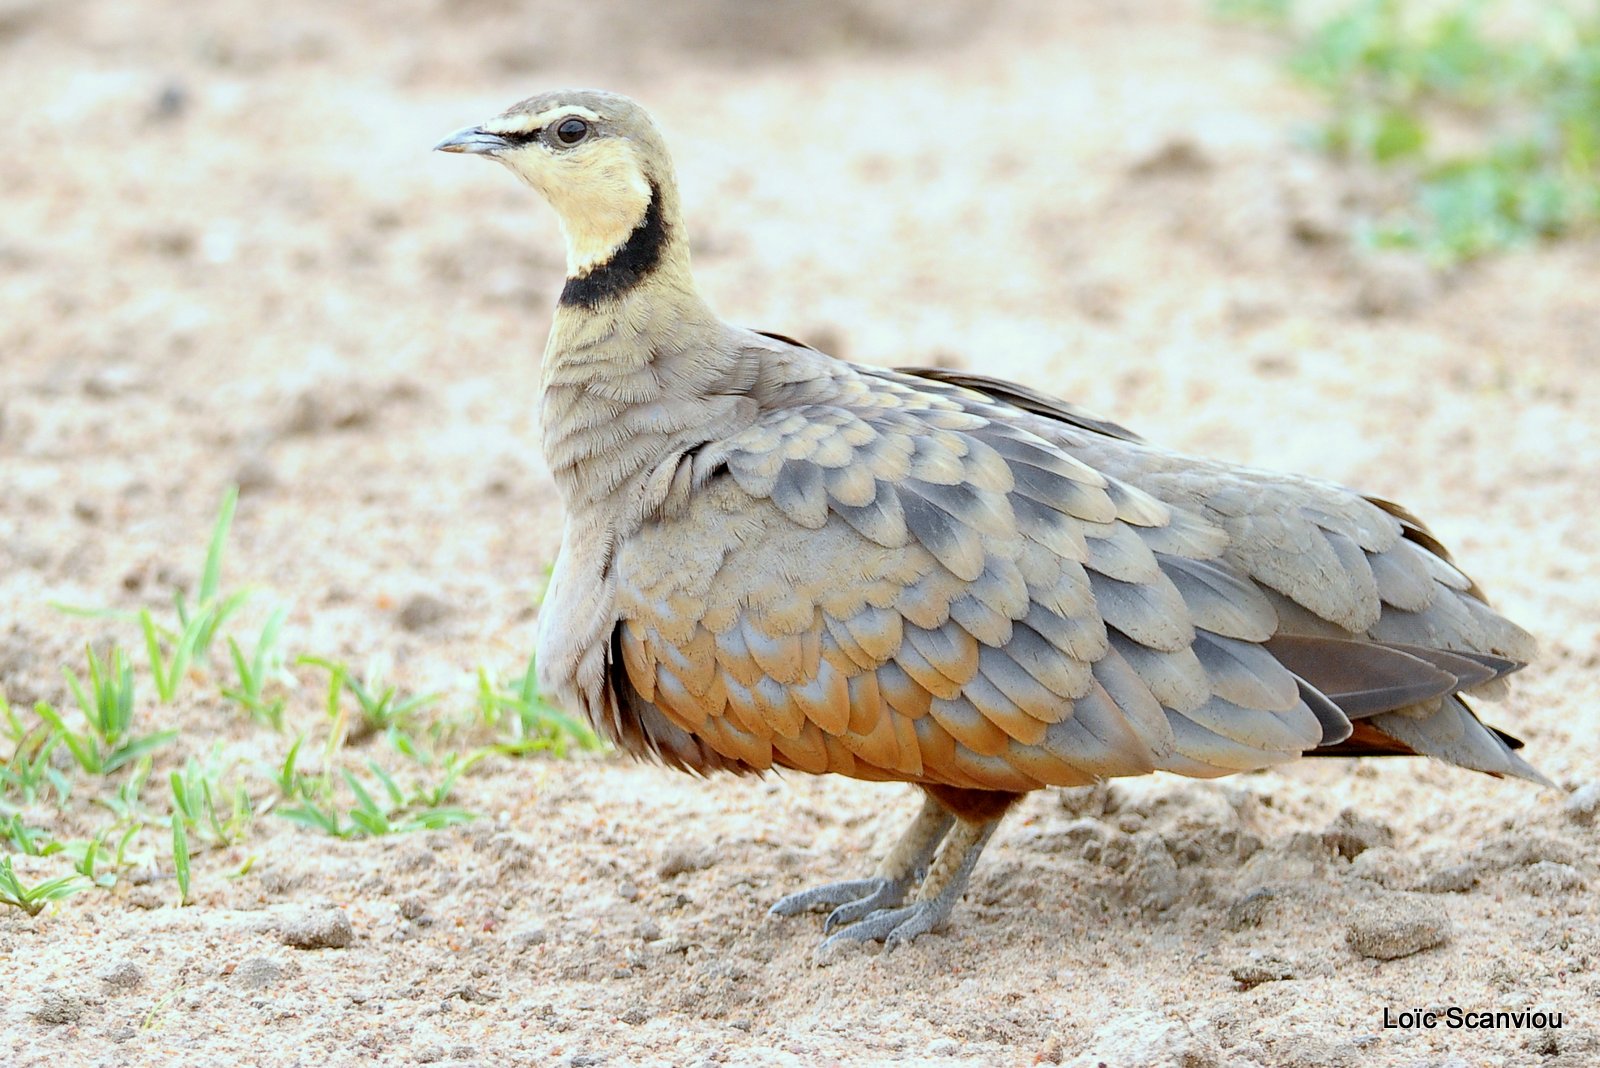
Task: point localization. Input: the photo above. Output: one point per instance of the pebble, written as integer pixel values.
(114, 381)
(1156, 873)
(682, 857)
(1385, 866)
(533, 936)
(123, 976)
(1083, 837)
(57, 1008)
(1548, 878)
(1397, 925)
(322, 929)
(1262, 968)
(258, 973)
(1456, 879)
(1394, 283)
(424, 610)
(255, 474)
(1352, 834)
(1583, 805)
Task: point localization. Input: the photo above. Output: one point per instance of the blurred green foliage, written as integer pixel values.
(1491, 108)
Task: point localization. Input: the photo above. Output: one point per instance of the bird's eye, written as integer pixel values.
(570, 131)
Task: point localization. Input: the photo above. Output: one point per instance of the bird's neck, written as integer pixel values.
(633, 350)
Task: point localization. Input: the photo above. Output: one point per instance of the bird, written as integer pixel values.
(776, 560)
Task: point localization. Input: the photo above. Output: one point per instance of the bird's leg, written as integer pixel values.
(977, 813)
(943, 886)
(887, 886)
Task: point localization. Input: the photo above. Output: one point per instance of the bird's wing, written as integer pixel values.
(896, 579)
(1023, 398)
(1352, 579)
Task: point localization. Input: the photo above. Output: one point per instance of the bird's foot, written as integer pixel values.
(853, 899)
(893, 927)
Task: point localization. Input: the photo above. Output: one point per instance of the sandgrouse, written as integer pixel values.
(775, 558)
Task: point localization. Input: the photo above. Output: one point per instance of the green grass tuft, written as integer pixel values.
(1491, 110)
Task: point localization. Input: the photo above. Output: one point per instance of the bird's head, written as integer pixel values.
(597, 157)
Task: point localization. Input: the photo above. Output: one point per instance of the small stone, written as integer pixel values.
(1385, 866)
(1096, 800)
(1262, 968)
(413, 907)
(1456, 879)
(316, 411)
(628, 891)
(424, 610)
(533, 936)
(944, 1047)
(635, 1015)
(647, 930)
(1397, 925)
(258, 973)
(682, 857)
(57, 1008)
(1548, 878)
(113, 381)
(322, 929)
(587, 1060)
(1176, 154)
(1394, 283)
(171, 102)
(1352, 834)
(1156, 873)
(145, 897)
(123, 977)
(414, 859)
(1084, 837)
(255, 474)
(1583, 805)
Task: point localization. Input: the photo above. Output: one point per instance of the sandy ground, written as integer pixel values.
(226, 255)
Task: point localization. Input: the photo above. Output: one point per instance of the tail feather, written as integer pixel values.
(1401, 700)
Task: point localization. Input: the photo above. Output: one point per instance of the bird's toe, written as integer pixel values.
(831, 895)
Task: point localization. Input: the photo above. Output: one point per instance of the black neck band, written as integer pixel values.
(632, 260)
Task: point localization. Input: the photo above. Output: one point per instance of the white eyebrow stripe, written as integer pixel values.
(525, 123)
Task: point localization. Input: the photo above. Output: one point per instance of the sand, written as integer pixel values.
(227, 256)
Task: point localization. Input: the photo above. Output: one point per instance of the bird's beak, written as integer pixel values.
(473, 139)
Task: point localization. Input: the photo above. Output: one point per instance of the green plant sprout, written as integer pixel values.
(180, 858)
(379, 706)
(534, 725)
(255, 671)
(395, 813)
(125, 802)
(107, 704)
(195, 793)
(28, 771)
(172, 650)
(34, 899)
